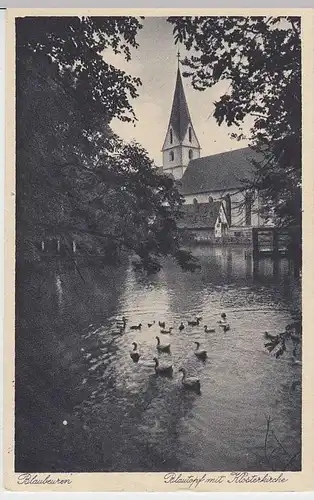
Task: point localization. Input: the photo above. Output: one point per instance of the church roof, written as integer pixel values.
(218, 172)
(180, 115)
(200, 215)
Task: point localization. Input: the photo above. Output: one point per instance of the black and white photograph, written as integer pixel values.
(158, 238)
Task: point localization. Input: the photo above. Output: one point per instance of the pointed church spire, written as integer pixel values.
(180, 115)
(181, 144)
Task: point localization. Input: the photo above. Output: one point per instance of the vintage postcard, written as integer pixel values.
(158, 250)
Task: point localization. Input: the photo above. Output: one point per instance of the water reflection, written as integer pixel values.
(121, 415)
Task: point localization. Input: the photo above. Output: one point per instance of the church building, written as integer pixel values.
(216, 204)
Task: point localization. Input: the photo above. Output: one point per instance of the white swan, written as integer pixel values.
(200, 353)
(162, 347)
(163, 369)
(191, 383)
(134, 354)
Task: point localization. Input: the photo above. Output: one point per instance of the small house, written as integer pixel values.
(205, 221)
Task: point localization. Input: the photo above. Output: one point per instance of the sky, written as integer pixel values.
(155, 62)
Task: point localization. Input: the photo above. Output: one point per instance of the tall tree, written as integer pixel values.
(76, 180)
(260, 58)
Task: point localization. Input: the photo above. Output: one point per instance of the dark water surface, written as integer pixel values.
(72, 365)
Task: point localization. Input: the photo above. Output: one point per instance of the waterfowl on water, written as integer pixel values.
(223, 319)
(166, 331)
(208, 330)
(162, 347)
(199, 318)
(164, 369)
(194, 323)
(200, 353)
(181, 327)
(150, 324)
(134, 354)
(162, 324)
(191, 383)
(136, 327)
(226, 327)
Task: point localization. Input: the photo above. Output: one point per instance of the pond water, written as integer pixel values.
(82, 404)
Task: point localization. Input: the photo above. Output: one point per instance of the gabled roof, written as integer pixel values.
(219, 172)
(180, 115)
(200, 215)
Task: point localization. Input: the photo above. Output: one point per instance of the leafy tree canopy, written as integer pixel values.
(260, 58)
(76, 180)
(75, 46)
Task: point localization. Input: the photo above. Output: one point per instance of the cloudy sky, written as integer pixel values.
(155, 62)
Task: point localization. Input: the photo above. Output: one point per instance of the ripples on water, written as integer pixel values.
(121, 416)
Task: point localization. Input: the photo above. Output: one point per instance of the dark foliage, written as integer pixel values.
(260, 58)
(76, 180)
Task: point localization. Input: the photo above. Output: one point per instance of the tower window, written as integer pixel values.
(190, 134)
(190, 154)
(171, 155)
(171, 136)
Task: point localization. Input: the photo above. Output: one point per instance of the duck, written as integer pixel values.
(150, 324)
(136, 327)
(191, 383)
(208, 330)
(194, 323)
(164, 369)
(200, 353)
(166, 331)
(162, 324)
(181, 327)
(223, 319)
(134, 354)
(199, 318)
(162, 347)
(226, 327)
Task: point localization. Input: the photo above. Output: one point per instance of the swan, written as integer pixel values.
(134, 354)
(162, 347)
(181, 327)
(162, 324)
(136, 327)
(200, 353)
(164, 369)
(209, 330)
(191, 383)
(166, 331)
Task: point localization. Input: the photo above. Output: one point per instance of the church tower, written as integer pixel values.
(181, 144)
